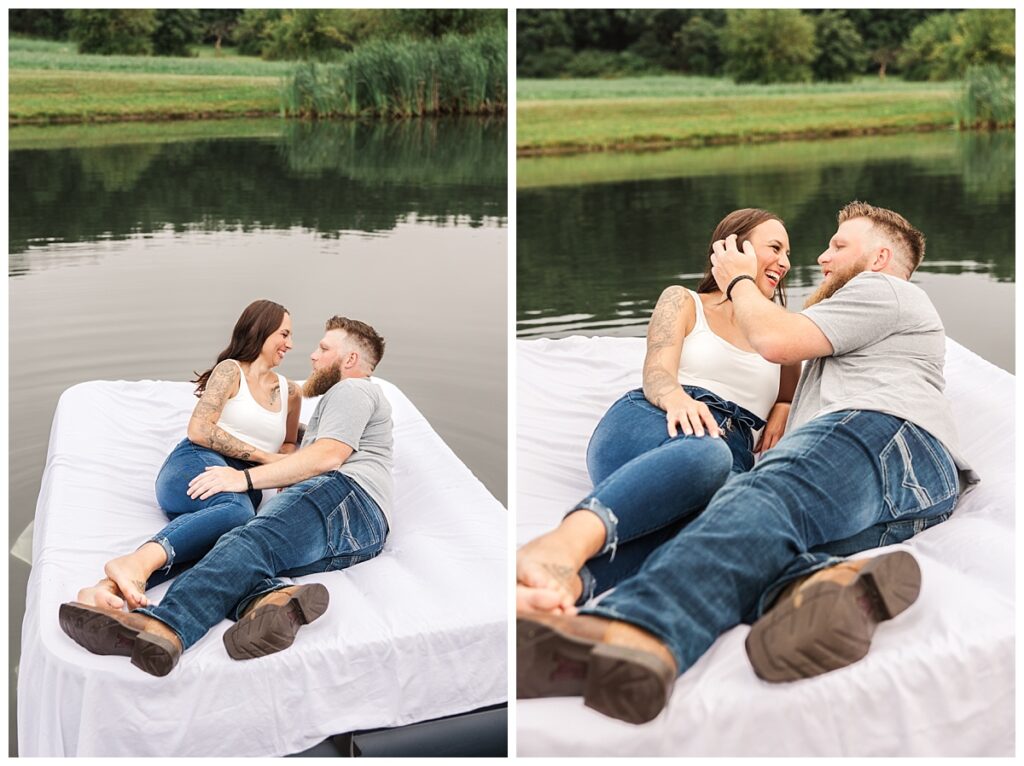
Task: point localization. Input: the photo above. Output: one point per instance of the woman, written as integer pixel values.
(660, 452)
(244, 417)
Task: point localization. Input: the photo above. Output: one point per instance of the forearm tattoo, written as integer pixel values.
(661, 334)
(207, 412)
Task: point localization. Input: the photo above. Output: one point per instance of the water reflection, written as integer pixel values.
(594, 256)
(322, 177)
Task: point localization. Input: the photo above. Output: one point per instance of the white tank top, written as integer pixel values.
(743, 377)
(244, 418)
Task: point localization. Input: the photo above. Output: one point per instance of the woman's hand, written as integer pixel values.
(691, 417)
(775, 427)
(216, 479)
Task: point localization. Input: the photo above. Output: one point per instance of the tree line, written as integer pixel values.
(762, 45)
(322, 34)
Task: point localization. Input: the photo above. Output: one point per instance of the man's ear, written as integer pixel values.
(883, 258)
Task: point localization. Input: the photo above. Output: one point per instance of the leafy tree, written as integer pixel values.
(765, 46)
(885, 31)
(252, 32)
(50, 24)
(319, 34)
(543, 43)
(945, 46)
(840, 48)
(175, 31)
(698, 47)
(218, 26)
(982, 37)
(926, 55)
(437, 22)
(126, 31)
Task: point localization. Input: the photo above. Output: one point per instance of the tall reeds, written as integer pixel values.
(406, 78)
(987, 98)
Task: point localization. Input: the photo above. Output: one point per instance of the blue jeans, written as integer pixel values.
(324, 523)
(196, 525)
(844, 481)
(648, 485)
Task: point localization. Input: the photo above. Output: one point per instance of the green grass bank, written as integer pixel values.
(49, 82)
(571, 116)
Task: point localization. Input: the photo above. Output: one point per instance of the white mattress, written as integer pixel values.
(939, 679)
(417, 633)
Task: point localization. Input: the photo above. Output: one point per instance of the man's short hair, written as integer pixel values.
(908, 242)
(369, 342)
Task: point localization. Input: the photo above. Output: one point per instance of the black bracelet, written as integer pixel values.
(248, 478)
(740, 278)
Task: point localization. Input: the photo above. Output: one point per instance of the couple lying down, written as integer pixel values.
(242, 437)
(693, 537)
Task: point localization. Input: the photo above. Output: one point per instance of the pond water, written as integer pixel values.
(599, 236)
(134, 248)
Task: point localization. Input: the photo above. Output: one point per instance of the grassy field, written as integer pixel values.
(49, 82)
(555, 116)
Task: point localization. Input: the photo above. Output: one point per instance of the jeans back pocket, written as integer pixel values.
(917, 473)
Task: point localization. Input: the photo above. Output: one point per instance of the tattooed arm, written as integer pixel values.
(202, 427)
(291, 438)
(674, 316)
(664, 346)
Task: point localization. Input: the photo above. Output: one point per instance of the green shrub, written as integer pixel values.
(113, 31)
(767, 46)
(987, 98)
(841, 52)
(548, 62)
(402, 78)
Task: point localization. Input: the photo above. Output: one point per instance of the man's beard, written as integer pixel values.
(830, 287)
(321, 380)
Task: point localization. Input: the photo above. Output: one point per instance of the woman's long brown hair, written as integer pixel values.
(258, 322)
(741, 223)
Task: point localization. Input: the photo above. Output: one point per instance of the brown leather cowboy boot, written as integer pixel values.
(270, 622)
(825, 621)
(151, 644)
(618, 668)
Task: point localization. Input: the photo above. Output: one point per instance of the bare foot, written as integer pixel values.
(104, 593)
(131, 572)
(543, 565)
(543, 600)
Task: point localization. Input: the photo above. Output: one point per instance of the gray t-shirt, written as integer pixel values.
(355, 412)
(889, 349)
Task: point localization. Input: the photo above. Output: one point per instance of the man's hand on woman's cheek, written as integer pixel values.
(728, 262)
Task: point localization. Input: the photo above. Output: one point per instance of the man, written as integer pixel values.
(870, 457)
(333, 514)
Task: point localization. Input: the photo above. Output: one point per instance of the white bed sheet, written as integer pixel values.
(417, 633)
(939, 680)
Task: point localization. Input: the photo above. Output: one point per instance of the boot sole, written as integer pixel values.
(627, 684)
(834, 624)
(102, 634)
(271, 628)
